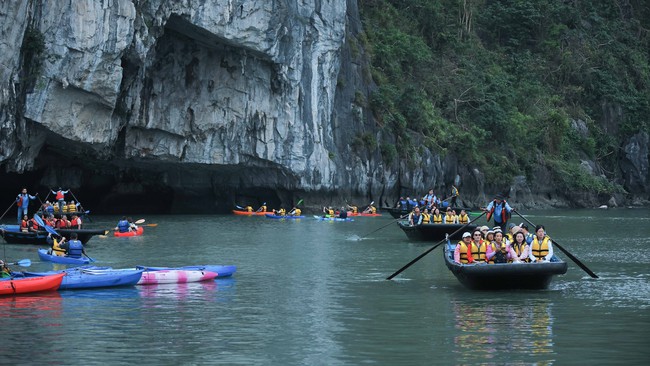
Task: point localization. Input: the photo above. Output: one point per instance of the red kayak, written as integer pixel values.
(363, 214)
(130, 233)
(247, 213)
(30, 284)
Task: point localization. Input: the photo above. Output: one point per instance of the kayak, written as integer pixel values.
(320, 218)
(130, 233)
(363, 214)
(221, 271)
(175, 276)
(273, 216)
(11, 286)
(93, 277)
(246, 213)
(42, 254)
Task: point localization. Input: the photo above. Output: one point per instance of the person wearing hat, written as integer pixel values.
(541, 249)
(512, 229)
(500, 210)
(488, 246)
(464, 249)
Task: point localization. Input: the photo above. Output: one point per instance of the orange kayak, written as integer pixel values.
(246, 213)
(363, 214)
(30, 284)
(130, 233)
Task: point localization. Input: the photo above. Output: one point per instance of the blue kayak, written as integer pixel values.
(221, 271)
(91, 277)
(272, 216)
(42, 253)
(320, 218)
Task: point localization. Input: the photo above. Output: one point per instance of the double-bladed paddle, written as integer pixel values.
(22, 263)
(52, 231)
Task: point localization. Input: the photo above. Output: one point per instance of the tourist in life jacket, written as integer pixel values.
(295, 212)
(402, 204)
(426, 216)
(22, 201)
(63, 222)
(353, 209)
(460, 252)
(541, 249)
(262, 208)
(428, 198)
(500, 210)
(72, 207)
(343, 213)
(521, 248)
(436, 217)
(5, 272)
(73, 247)
(122, 225)
(75, 223)
(500, 241)
(415, 217)
(248, 208)
(132, 225)
(60, 197)
(489, 235)
(463, 218)
(33, 225)
(454, 195)
(55, 245)
(450, 217)
(371, 209)
(24, 224)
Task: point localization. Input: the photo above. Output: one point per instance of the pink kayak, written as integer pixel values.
(175, 276)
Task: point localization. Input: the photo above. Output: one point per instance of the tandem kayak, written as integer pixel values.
(221, 271)
(320, 218)
(272, 216)
(12, 286)
(175, 276)
(363, 214)
(247, 213)
(138, 232)
(93, 277)
(42, 254)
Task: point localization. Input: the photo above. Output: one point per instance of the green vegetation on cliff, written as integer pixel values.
(510, 85)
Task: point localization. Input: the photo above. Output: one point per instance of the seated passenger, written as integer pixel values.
(343, 213)
(72, 207)
(463, 218)
(436, 217)
(541, 248)
(248, 208)
(122, 225)
(415, 217)
(426, 216)
(498, 242)
(73, 247)
(353, 209)
(63, 222)
(520, 246)
(262, 208)
(463, 248)
(295, 212)
(24, 224)
(75, 223)
(132, 225)
(370, 209)
(450, 218)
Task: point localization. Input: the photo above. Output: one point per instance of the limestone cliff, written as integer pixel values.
(202, 104)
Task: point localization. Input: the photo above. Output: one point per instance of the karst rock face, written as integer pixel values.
(201, 104)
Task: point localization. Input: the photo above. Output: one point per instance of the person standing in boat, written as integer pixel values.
(541, 248)
(60, 198)
(454, 195)
(73, 247)
(22, 201)
(500, 210)
(415, 217)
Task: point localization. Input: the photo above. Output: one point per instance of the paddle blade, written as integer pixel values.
(150, 225)
(299, 202)
(23, 263)
(39, 220)
(141, 221)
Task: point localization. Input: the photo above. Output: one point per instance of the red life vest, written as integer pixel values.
(74, 222)
(23, 224)
(34, 224)
(62, 224)
(504, 212)
(59, 195)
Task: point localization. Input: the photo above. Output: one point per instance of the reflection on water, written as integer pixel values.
(489, 330)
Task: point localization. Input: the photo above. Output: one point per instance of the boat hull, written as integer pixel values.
(138, 232)
(505, 276)
(220, 270)
(272, 216)
(246, 213)
(320, 218)
(435, 232)
(42, 254)
(83, 278)
(15, 286)
(399, 213)
(13, 235)
(175, 276)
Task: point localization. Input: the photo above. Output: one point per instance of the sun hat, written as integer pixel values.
(467, 235)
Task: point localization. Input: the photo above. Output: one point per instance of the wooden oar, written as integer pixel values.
(566, 252)
(392, 222)
(429, 250)
(8, 208)
(150, 225)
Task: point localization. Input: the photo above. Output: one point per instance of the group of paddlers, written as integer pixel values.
(518, 245)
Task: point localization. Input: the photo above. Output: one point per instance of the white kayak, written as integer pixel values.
(175, 276)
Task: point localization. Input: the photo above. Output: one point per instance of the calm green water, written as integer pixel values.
(306, 294)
